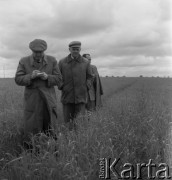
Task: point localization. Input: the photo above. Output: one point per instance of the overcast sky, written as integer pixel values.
(124, 37)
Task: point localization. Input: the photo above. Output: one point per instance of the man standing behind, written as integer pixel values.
(96, 90)
(39, 73)
(77, 79)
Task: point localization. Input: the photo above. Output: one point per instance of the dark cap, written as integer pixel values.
(38, 45)
(75, 44)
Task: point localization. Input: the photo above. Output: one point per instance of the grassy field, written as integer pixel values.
(133, 125)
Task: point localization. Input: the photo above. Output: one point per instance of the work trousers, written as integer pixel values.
(71, 111)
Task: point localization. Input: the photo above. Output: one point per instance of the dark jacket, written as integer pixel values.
(77, 78)
(38, 92)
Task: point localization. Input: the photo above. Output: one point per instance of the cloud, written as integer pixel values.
(135, 66)
(81, 19)
(125, 34)
(65, 19)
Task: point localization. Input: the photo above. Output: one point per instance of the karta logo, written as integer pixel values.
(108, 170)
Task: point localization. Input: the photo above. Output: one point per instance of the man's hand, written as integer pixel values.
(34, 74)
(43, 76)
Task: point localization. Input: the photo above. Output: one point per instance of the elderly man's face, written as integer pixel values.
(75, 51)
(37, 55)
(89, 58)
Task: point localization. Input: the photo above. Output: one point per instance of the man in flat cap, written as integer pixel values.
(77, 79)
(96, 90)
(39, 73)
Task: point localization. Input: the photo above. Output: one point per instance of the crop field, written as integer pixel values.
(134, 124)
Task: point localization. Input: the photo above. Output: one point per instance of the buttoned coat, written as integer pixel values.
(77, 79)
(38, 91)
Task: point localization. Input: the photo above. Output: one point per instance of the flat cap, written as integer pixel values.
(38, 45)
(75, 44)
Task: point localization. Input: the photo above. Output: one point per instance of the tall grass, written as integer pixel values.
(133, 125)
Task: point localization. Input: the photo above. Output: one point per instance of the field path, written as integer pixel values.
(120, 89)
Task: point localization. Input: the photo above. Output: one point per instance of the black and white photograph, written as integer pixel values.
(85, 89)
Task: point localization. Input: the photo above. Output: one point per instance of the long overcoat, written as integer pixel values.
(77, 78)
(38, 92)
(96, 90)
